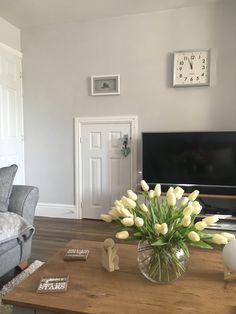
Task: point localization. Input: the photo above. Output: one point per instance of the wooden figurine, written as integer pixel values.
(110, 260)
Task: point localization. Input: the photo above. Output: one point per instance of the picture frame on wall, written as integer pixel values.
(105, 85)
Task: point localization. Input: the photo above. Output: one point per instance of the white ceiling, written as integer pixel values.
(36, 13)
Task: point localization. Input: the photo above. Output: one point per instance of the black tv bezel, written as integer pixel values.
(221, 190)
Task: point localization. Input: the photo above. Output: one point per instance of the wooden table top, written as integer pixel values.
(92, 289)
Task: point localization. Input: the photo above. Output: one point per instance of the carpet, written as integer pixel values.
(7, 309)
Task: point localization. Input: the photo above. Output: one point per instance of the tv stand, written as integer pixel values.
(215, 210)
(217, 196)
(227, 217)
(225, 223)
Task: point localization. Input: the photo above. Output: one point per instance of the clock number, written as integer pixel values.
(180, 75)
(192, 57)
(191, 79)
(185, 78)
(181, 63)
(180, 68)
(203, 67)
(203, 60)
(203, 74)
(185, 58)
(197, 78)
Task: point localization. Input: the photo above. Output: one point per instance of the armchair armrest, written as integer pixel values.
(23, 201)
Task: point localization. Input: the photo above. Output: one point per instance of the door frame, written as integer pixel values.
(11, 50)
(79, 122)
(19, 54)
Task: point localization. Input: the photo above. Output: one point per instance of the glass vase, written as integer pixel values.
(161, 264)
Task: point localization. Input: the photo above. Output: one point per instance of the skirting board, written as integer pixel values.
(56, 210)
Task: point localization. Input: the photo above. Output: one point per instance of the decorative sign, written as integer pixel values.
(53, 284)
(76, 254)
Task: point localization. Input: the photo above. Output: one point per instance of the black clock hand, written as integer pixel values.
(191, 64)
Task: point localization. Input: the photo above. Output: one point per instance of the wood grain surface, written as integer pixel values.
(92, 289)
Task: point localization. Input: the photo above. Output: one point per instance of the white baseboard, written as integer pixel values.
(56, 210)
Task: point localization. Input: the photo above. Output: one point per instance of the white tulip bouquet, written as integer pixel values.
(166, 225)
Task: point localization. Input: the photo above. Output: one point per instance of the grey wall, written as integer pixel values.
(9, 35)
(59, 59)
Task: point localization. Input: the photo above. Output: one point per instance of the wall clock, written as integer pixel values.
(191, 68)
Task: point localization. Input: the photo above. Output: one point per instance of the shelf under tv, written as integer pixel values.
(215, 196)
(226, 222)
(210, 196)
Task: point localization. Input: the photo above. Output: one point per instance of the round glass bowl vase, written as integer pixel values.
(161, 264)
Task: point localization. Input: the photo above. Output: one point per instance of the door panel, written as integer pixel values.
(106, 174)
(11, 113)
(96, 181)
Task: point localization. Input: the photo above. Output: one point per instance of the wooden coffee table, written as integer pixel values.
(92, 289)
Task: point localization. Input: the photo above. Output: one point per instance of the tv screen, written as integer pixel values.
(202, 160)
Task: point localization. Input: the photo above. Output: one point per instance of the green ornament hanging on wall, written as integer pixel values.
(125, 150)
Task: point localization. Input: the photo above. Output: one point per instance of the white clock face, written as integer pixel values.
(191, 68)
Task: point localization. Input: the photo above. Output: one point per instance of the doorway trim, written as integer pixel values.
(11, 50)
(79, 122)
(20, 176)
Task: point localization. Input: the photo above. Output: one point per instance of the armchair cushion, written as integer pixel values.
(7, 246)
(13, 226)
(23, 201)
(7, 175)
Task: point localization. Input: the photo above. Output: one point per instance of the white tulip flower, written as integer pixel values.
(210, 220)
(193, 195)
(193, 236)
(184, 201)
(143, 207)
(124, 201)
(128, 221)
(171, 199)
(200, 225)
(118, 204)
(144, 185)
(122, 235)
(219, 239)
(158, 228)
(188, 210)
(106, 217)
(132, 195)
(186, 221)
(114, 212)
(164, 228)
(228, 236)
(151, 194)
(178, 192)
(119, 211)
(139, 222)
(130, 203)
(125, 213)
(170, 190)
(197, 207)
(157, 190)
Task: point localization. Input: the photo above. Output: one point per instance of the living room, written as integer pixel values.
(63, 45)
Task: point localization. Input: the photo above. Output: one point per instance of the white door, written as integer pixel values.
(106, 172)
(11, 112)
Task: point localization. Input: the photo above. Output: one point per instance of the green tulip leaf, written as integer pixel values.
(159, 242)
(201, 244)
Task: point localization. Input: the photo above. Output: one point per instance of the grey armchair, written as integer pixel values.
(23, 201)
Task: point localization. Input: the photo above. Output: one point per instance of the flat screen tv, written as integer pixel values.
(193, 160)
